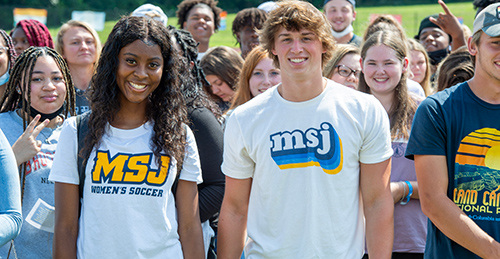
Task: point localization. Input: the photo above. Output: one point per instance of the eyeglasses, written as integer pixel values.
(346, 71)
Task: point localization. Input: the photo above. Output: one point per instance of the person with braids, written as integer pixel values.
(80, 46)
(7, 59)
(203, 117)
(201, 18)
(385, 68)
(136, 146)
(30, 33)
(38, 96)
(245, 26)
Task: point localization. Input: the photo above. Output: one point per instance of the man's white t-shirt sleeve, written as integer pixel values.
(65, 165)
(377, 145)
(236, 161)
(191, 170)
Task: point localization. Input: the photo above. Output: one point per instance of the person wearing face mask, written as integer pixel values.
(37, 99)
(7, 59)
(440, 34)
(341, 14)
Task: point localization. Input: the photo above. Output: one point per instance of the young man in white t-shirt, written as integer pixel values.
(300, 157)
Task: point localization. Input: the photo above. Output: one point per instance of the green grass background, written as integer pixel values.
(411, 16)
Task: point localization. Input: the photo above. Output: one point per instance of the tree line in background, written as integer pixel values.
(59, 11)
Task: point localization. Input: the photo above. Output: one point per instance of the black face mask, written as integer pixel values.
(44, 116)
(438, 55)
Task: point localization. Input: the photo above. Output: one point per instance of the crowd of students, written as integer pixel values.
(306, 142)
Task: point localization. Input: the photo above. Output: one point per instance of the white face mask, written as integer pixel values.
(5, 77)
(343, 33)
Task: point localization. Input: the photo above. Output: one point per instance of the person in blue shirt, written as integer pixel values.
(455, 141)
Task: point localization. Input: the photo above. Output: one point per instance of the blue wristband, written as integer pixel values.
(410, 192)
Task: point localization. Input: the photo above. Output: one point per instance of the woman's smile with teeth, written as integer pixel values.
(136, 86)
(380, 79)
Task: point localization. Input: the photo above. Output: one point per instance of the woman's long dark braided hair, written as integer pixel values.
(7, 40)
(192, 89)
(20, 76)
(166, 107)
(19, 86)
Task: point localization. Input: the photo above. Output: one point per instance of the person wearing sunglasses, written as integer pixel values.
(344, 68)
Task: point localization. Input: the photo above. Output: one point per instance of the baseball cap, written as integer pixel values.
(426, 23)
(151, 11)
(488, 20)
(352, 2)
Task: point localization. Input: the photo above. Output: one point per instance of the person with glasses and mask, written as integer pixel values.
(344, 68)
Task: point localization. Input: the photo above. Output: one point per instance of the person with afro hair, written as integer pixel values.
(201, 18)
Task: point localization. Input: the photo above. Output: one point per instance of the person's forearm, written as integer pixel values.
(231, 234)
(189, 226)
(458, 41)
(380, 228)
(191, 237)
(456, 225)
(10, 226)
(66, 197)
(399, 190)
(64, 243)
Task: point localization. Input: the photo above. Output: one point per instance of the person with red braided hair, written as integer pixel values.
(30, 33)
(7, 59)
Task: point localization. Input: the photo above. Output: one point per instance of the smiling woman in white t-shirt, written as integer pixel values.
(137, 138)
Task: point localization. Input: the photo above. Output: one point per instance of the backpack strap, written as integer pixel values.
(82, 127)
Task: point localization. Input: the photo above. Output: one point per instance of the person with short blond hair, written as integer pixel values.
(79, 44)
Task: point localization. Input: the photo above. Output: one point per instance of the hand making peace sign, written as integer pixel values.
(26, 145)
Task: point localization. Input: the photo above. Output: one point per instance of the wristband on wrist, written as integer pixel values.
(404, 192)
(410, 192)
